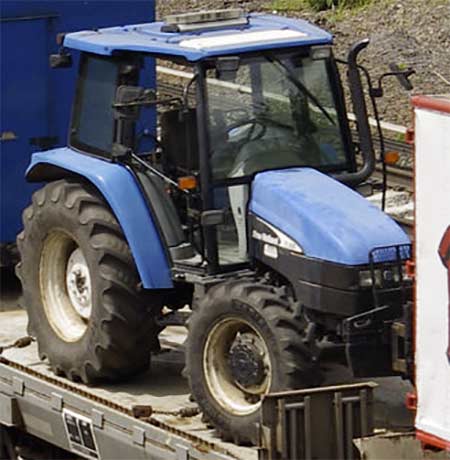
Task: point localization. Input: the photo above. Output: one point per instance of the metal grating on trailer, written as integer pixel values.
(318, 423)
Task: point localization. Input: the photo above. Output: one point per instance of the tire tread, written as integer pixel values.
(127, 327)
(283, 319)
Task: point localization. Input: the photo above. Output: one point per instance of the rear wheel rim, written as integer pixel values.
(235, 398)
(66, 286)
(78, 284)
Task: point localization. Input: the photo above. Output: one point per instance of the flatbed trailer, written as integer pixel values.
(142, 418)
(148, 417)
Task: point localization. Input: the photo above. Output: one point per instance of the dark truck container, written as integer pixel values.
(36, 100)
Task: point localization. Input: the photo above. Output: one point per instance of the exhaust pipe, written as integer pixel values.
(360, 111)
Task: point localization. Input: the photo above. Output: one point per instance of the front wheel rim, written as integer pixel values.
(232, 395)
(66, 286)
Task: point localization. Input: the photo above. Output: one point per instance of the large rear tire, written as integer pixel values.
(80, 286)
(245, 340)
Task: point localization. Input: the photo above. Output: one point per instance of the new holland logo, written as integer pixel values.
(266, 238)
(277, 238)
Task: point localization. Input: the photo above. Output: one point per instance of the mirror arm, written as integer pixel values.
(186, 92)
(378, 91)
(145, 103)
(61, 60)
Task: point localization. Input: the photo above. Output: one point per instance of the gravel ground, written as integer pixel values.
(409, 32)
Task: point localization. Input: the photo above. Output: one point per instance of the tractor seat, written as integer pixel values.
(179, 141)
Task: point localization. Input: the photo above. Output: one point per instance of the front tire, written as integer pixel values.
(80, 286)
(245, 340)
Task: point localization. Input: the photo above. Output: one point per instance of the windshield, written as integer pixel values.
(275, 112)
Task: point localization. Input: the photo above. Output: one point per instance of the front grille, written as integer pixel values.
(386, 267)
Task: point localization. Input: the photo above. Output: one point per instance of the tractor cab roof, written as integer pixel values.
(202, 39)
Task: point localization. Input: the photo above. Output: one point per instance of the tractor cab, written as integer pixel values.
(255, 93)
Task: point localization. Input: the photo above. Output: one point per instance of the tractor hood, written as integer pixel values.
(327, 219)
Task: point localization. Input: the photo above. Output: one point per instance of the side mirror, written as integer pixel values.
(402, 75)
(62, 60)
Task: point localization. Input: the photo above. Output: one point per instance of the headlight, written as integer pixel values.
(383, 276)
(365, 278)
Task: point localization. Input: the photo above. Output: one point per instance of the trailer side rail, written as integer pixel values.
(92, 427)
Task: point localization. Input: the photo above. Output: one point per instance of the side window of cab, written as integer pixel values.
(92, 127)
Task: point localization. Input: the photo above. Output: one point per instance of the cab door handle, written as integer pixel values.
(8, 136)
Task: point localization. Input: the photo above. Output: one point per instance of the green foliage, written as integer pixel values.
(401, 137)
(289, 5)
(317, 5)
(320, 5)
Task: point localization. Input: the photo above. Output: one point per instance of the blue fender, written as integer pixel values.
(120, 190)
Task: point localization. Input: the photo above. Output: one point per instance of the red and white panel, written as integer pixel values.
(432, 190)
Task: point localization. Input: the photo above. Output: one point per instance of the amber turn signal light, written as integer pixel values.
(391, 158)
(410, 269)
(187, 182)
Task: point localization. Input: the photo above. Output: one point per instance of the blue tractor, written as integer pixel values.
(241, 201)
